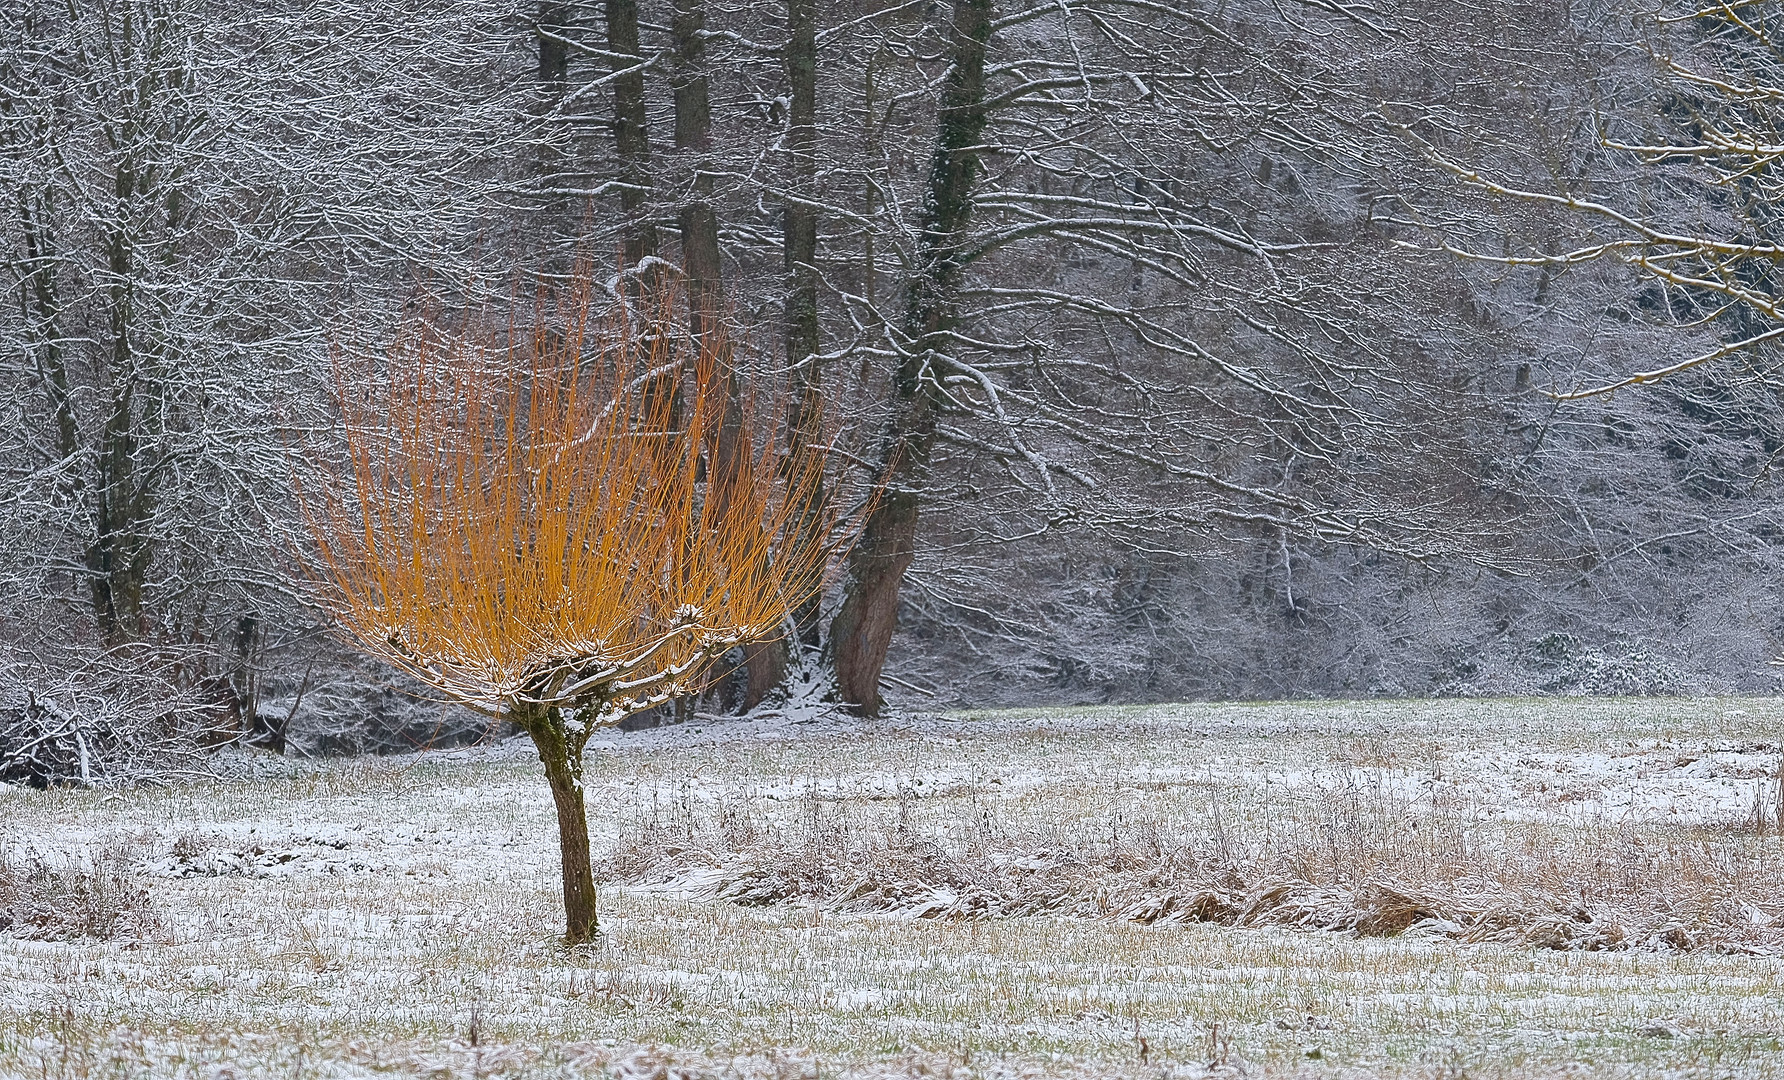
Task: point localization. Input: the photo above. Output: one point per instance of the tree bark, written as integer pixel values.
(766, 663)
(800, 227)
(126, 494)
(699, 225)
(551, 27)
(560, 752)
(698, 221)
(554, 54)
(861, 634)
(630, 133)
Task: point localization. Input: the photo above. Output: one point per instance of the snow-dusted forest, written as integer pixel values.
(1198, 350)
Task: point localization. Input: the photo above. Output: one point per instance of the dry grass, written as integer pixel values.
(94, 896)
(398, 918)
(1362, 862)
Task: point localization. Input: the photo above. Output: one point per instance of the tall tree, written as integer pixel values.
(1086, 328)
(194, 190)
(631, 131)
(862, 631)
(696, 215)
(766, 664)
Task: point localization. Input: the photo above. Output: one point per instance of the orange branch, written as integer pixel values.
(541, 517)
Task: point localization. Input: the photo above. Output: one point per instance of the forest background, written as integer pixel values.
(1195, 348)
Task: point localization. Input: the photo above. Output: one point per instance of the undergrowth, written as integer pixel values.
(1363, 863)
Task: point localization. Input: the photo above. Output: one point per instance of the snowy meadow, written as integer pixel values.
(1311, 889)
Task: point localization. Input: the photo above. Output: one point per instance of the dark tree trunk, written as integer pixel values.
(862, 631)
(561, 754)
(766, 663)
(554, 51)
(631, 135)
(800, 237)
(699, 225)
(551, 29)
(125, 495)
(765, 667)
(693, 140)
(244, 679)
(699, 222)
(870, 139)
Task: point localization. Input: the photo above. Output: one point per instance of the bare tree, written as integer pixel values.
(1082, 327)
(1696, 209)
(194, 192)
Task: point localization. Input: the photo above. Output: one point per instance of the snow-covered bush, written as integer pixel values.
(108, 719)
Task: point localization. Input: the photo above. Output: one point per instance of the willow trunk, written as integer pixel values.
(563, 772)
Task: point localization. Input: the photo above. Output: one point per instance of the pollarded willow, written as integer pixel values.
(563, 521)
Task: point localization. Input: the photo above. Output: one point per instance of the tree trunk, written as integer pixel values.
(766, 663)
(861, 635)
(561, 754)
(800, 230)
(699, 224)
(551, 29)
(693, 140)
(631, 136)
(126, 494)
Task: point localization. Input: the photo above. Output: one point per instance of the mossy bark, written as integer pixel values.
(861, 633)
(560, 751)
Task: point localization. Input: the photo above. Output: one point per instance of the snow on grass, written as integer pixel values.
(398, 916)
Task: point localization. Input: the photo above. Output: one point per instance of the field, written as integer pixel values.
(1483, 889)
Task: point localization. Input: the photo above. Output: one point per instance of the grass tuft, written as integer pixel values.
(88, 897)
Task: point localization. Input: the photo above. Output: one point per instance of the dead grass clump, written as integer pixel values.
(92, 898)
(1351, 870)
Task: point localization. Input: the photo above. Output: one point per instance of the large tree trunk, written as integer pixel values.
(862, 631)
(561, 754)
(767, 663)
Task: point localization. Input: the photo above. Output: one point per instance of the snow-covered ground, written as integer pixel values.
(398, 915)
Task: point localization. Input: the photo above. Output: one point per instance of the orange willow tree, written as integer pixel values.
(563, 524)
